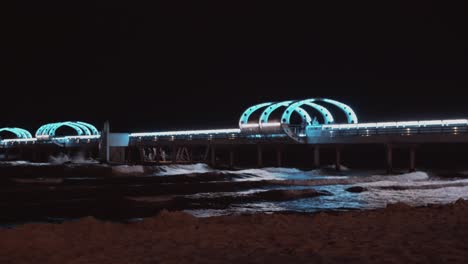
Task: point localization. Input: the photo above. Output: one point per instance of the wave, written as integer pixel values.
(75, 159)
(168, 170)
(268, 173)
(22, 163)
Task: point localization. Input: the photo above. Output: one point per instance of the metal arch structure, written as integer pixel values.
(296, 106)
(350, 114)
(327, 115)
(81, 129)
(298, 134)
(19, 132)
(265, 116)
(270, 108)
(92, 128)
(247, 113)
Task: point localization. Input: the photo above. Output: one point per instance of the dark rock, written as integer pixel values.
(356, 189)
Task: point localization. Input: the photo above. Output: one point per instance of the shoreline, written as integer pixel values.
(396, 234)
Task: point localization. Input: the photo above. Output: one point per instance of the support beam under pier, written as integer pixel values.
(213, 155)
(279, 157)
(338, 159)
(141, 151)
(317, 157)
(231, 158)
(191, 154)
(412, 167)
(259, 156)
(389, 149)
(174, 154)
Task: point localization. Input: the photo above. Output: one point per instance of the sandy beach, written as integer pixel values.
(397, 234)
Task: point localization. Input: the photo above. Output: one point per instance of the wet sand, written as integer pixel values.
(397, 234)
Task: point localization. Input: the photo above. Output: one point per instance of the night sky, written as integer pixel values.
(195, 65)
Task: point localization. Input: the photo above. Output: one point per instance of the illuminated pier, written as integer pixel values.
(279, 124)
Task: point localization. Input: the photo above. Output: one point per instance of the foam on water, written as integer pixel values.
(22, 163)
(167, 170)
(417, 189)
(75, 159)
(245, 175)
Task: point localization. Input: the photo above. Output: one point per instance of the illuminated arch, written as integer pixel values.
(81, 128)
(92, 128)
(350, 115)
(327, 116)
(19, 132)
(265, 116)
(49, 129)
(247, 113)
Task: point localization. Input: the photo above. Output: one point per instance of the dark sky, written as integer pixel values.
(195, 65)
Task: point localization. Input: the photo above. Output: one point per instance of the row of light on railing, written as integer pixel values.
(266, 125)
(187, 132)
(43, 138)
(406, 124)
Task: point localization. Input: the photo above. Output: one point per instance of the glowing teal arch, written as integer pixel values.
(92, 128)
(270, 109)
(247, 113)
(81, 128)
(19, 132)
(350, 115)
(304, 115)
(327, 116)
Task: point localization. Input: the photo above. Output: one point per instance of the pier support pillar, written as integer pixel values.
(389, 159)
(259, 156)
(231, 158)
(412, 167)
(191, 154)
(20, 153)
(279, 157)
(213, 155)
(317, 157)
(157, 154)
(128, 155)
(174, 154)
(142, 154)
(338, 159)
(34, 156)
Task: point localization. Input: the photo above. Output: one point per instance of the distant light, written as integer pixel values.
(455, 122)
(387, 124)
(431, 123)
(276, 124)
(409, 123)
(250, 126)
(81, 137)
(19, 140)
